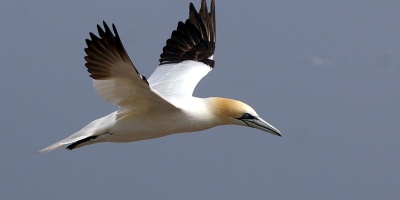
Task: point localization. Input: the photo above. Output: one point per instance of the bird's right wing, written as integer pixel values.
(188, 54)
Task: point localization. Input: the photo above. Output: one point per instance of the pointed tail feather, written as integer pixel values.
(62, 143)
(51, 148)
(87, 135)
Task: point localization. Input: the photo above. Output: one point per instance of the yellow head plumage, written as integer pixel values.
(229, 111)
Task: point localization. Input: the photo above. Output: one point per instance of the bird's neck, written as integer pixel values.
(223, 109)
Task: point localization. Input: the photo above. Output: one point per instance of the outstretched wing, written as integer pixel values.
(188, 54)
(115, 78)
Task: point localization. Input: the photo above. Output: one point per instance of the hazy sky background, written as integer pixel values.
(326, 73)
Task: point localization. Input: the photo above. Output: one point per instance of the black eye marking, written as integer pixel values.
(246, 116)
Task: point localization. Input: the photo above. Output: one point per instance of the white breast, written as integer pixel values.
(193, 116)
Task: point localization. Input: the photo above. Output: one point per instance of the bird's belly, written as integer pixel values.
(143, 128)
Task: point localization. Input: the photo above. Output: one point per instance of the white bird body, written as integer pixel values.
(163, 104)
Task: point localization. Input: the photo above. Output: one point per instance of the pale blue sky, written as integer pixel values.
(326, 73)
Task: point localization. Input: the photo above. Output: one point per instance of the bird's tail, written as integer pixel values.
(89, 134)
(70, 140)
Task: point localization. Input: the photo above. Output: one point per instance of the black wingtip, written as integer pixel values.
(106, 28)
(115, 30)
(191, 7)
(100, 30)
(194, 39)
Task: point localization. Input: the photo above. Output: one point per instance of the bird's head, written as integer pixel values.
(230, 111)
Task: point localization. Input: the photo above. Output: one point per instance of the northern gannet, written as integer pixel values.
(163, 104)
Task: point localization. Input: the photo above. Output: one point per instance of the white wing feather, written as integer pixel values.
(177, 80)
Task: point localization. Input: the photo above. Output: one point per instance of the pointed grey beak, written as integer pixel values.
(258, 123)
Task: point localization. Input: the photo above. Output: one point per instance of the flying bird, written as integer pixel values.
(163, 104)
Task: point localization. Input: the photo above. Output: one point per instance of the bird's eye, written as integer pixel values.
(246, 116)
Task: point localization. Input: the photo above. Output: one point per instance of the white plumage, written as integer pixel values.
(163, 104)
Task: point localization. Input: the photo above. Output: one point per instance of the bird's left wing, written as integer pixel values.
(116, 79)
(188, 54)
